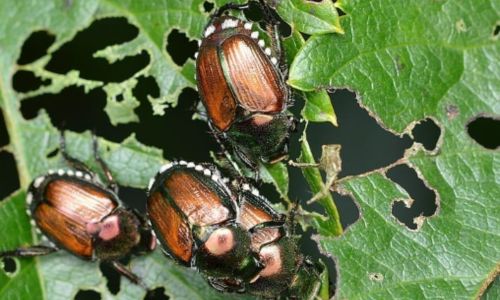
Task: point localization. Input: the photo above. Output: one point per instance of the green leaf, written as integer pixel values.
(277, 174)
(408, 61)
(318, 106)
(310, 17)
(13, 218)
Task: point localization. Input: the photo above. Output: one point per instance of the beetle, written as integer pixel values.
(72, 210)
(227, 231)
(243, 88)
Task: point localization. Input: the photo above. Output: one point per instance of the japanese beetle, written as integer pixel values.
(194, 212)
(72, 210)
(228, 232)
(243, 89)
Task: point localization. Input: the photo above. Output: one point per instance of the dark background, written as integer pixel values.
(365, 144)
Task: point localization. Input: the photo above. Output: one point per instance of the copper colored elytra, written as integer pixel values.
(68, 206)
(243, 91)
(172, 225)
(193, 198)
(233, 70)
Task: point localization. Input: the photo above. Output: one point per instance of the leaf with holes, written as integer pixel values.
(34, 142)
(67, 20)
(409, 61)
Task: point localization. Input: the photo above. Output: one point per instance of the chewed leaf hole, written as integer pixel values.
(8, 175)
(180, 47)
(427, 132)
(156, 294)
(340, 12)
(112, 276)
(53, 153)
(208, 6)
(365, 144)
(376, 277)
(253, 12)
(4, 136)
(423, 202)
(87, 295)
(284, 29)
(9, 265)
(348, 210)
(66, 108)
(485, 131)
(25, 81)
(130, 197)
(35, 47)
(496, 31)
(99, 35)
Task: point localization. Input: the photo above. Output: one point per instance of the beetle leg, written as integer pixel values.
(111, 182)
(73, 162)
(268, 224)
(120, 268)
(37, 250)
(291, 218)
(245, 159)
(218, 137)
(226, 285)
(310, 265)
(273, 30)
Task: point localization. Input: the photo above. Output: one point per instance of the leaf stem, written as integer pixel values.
(331, 225)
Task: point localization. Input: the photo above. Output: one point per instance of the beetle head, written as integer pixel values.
(119, 234)
(280, 261)
(226, 251)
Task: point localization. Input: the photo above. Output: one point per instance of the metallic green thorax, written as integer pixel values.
(261, 143)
